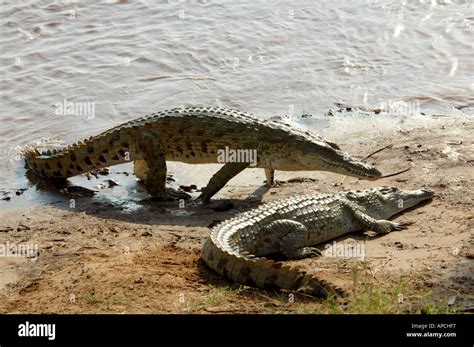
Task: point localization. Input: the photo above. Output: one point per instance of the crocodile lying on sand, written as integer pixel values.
(197, 135)
(291, 226)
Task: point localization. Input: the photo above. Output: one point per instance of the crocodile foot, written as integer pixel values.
(305, 252)
(201, 200)
(274, 184)
(386, 226)
(170, 194)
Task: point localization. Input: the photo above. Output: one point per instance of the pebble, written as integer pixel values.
(398, 244)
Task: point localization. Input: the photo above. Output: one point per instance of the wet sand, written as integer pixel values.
(102, 256)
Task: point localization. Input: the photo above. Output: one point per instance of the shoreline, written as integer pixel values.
(116, 254)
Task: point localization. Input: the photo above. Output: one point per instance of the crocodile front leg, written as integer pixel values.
(366, 222)
(220, 179)
(294, 243)
(155, 180)
(270, 175)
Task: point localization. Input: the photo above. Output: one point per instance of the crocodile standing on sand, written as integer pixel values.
(291, 226)
(195, 136)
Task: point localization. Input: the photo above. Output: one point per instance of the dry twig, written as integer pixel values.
(368, 156)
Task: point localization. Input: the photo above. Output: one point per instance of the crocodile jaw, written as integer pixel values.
(353, 168)
(391, 200)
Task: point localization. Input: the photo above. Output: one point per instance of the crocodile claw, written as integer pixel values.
(305, 252)
(201, 200)
(171, 194)
(402, 226)
(196, 202)
(274, 184)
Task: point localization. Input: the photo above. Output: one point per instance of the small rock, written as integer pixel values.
(187, 189)
(7, 198)
(5, 229)
(193, 186)
(398, 244)
(22, 227)
(146, 233)
(77, 191)
(111, 183)
(469, 255)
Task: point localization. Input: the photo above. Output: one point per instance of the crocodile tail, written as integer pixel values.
(95, 153)
(45, 163)
(263, 273)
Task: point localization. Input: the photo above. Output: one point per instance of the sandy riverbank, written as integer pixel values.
(101, 256)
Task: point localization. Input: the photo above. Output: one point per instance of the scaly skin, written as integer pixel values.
(291, 226)
(194, 136)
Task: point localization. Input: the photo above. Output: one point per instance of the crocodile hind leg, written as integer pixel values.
(220, 179)
(294, 243)
(140, 169)
(155, 180)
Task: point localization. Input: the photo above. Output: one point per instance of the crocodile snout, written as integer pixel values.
(374, 173)
(426, 193)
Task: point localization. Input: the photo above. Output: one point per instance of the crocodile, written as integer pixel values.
(292, 227)
(197, 135)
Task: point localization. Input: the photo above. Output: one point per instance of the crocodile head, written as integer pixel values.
(321, 154)
(385, 202)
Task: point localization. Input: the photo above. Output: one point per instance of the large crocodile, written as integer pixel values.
(198, 135)
(292, 226)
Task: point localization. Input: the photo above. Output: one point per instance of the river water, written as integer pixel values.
(118, 60)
